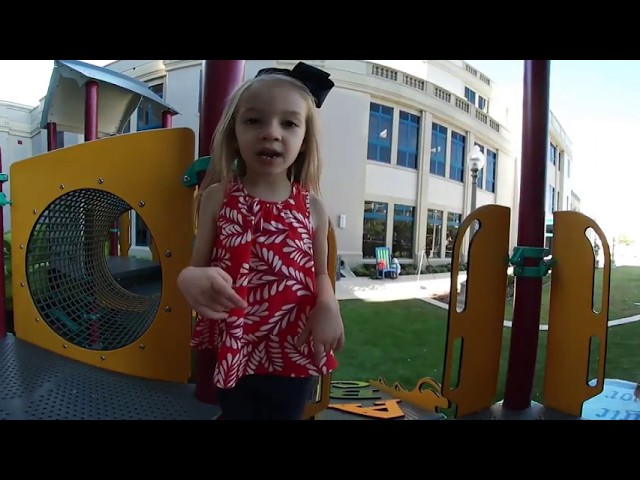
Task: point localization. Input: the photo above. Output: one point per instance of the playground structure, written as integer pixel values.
(78, 329)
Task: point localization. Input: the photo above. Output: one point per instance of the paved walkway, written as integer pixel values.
(404, 288)
(424, 288)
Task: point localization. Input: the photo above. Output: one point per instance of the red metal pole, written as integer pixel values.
(91, 133)
(166, 119)
(3, 290)
(531, 227)
(91, 111)
(219, 79)
(52, 136)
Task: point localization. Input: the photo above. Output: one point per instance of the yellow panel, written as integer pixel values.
(480, 324)
(572, 321)
(313, 408)
(148, 167)
(425, 395)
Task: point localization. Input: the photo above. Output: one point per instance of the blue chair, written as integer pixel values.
(384, 254)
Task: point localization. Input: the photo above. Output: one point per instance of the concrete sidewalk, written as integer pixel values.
(405, 287)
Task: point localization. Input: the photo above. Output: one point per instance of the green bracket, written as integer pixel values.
(3, 200)
(4, 177)
(522, 253)
(190, 178)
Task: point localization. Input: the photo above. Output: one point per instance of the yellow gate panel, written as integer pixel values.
(573, 324)
(65, 298)
(478, 328)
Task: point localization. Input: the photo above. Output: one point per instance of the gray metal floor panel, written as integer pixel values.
(36, 384)
(535, 412)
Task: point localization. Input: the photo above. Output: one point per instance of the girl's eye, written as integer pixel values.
(251, 121)
(289, 123)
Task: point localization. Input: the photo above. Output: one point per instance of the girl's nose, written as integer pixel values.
(272, 132)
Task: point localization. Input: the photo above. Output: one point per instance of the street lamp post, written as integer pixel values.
(476, 162)
(613, 253)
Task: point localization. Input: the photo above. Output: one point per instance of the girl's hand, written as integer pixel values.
(209, 291)
(326, 329)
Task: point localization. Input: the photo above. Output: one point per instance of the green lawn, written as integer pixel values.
(404, 341)
(624, 293)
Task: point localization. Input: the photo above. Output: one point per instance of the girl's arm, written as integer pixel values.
(208, 290)
(210, 204)
(320, 220)
(325, 322)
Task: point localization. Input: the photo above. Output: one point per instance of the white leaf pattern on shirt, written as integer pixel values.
(278, 279)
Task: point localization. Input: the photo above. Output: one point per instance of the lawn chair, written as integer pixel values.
(383, 255)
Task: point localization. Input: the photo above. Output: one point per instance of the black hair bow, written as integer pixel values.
(316, 80)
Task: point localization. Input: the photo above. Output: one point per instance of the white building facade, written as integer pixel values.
(395, 138)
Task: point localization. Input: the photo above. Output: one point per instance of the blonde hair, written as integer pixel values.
(306, 169)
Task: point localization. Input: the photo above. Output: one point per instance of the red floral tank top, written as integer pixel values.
(267, 249)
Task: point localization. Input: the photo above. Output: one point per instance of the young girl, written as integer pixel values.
(258, 276)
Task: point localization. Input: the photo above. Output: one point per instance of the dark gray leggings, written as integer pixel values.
(265, 397)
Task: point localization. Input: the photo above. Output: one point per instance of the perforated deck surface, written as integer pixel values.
(36, 384)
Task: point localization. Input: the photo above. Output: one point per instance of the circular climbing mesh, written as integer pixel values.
(69, 276)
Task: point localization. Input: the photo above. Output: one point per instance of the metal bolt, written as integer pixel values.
(62, 186)
(141, 203)
(186, 178)
(101, 181)
(102, 357)
(35, 211)
(21, 246)
(64, 345)
(22, 284)
(167, 309)
(141, 346)
(167, 253)
(37, 319)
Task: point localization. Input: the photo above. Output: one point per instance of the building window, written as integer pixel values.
(403, 224)
(552, 153)
(59, 139)
(491, 171)
(482, 102)
(456, 169)
(560, 158)
(481, 171)
(551, 200)
(408, 135)
(434, 233)
(453, 224)
(438, 149)
(548, 236)
(150, 118)
(375, 228)
(380, 127)
(470, 95)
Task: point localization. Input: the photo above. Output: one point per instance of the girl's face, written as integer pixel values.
(270, 127)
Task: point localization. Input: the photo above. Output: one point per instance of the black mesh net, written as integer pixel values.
(69, 278)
